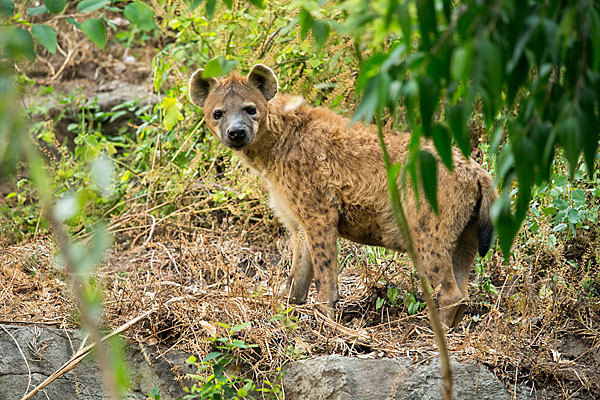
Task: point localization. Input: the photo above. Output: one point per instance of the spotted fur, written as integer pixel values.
(326, 179)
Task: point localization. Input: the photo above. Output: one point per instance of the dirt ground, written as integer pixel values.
(206, 265)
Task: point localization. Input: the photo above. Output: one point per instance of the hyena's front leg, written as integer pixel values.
(301, 273)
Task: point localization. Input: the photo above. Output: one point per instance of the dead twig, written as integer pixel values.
(83, 352)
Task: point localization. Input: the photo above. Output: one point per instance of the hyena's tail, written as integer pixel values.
(487, 195)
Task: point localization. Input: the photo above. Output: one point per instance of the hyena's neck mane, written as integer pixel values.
(286, 115)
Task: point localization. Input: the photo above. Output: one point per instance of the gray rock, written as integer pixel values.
(47, 349)
(344, 378)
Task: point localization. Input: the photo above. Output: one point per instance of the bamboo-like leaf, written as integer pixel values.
(428, 170)
(443, 144)
(429, 93)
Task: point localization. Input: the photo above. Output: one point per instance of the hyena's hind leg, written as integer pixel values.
(301, 273)
(463, 257)
(437, 263)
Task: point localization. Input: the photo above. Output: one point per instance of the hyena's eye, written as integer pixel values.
(217, 114)
(250, 110)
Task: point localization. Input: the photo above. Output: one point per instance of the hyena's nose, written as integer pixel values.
(236, 134)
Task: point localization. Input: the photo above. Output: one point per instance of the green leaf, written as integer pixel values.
(66, 207)
(532, 23)
(590, 125)
(94, 29)
(443, 144)
(560, 227)
(209, 356)
(239, 344)
(560, 204)
(394, 170)
(46, 36)
(7, 8)
(573, 216)
(460, 64)
(405, 22)
(36, 10)
(594, 15)
(55, 6)
(561, 181)
(320, 31)
(73, 22)
(193, 4)
(427, 22)
(525, 152)
(379, 303)
(410, 89)
(458, 126)
(368, 102)
(428, 165)
(448, 10)
(392, 294)
(172, 114)
(141, 15)
(495, 139)
(102, 172)
(19, 43)
(369, 69)
(569, 134)
(504, 222)
(579, 196)
(218, 66)
(239, 327)
(493, 77)
(191, 360)
(85, 6)
(515, 79)
(210, 8)
(429, 93)
(306, 21)
(257, 3)
(383, 88)
(228, 3)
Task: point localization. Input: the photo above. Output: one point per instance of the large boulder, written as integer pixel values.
(42, 351)
(349, 378)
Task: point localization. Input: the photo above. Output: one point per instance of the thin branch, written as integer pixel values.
(22, 355)
(83, 352)
(402, 223)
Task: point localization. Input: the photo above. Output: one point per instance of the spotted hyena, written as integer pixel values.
(326, 178)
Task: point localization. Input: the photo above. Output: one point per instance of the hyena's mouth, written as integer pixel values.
(237, 146)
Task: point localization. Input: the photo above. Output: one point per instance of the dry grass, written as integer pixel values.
(230, 268)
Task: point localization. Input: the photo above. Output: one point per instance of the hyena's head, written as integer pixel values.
(235, 107)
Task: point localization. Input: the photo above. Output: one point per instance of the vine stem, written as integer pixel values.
(434, 316)
(42, 183)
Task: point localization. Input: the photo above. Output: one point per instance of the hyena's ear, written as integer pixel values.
(200, 87)
(264, 79)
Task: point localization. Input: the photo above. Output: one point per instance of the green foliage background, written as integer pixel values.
(526, 74)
